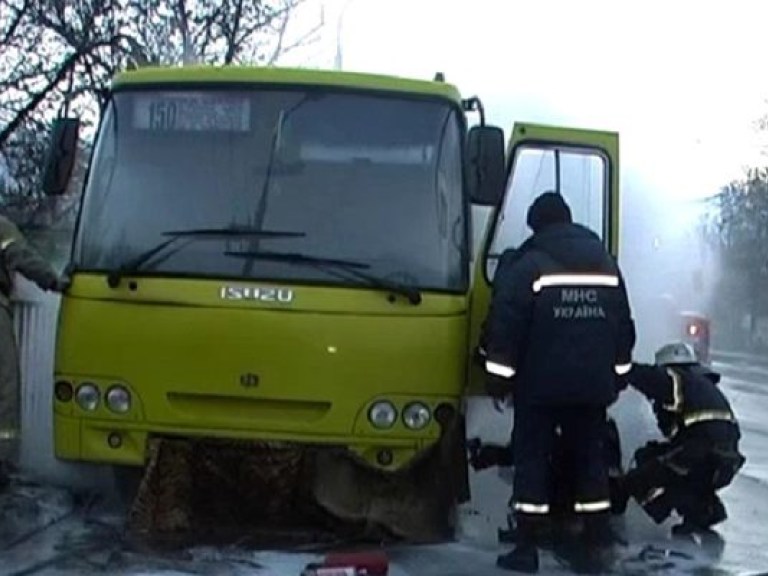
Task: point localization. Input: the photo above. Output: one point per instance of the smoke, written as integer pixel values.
(668, 265)
(669, 269)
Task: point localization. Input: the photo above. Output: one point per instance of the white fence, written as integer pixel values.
(35, 316)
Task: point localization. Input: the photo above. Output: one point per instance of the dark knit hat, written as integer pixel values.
(549, 208)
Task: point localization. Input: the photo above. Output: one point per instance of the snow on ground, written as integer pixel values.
(49, 532)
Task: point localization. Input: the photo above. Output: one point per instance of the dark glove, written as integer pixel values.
(651, 451)
(623, 380)
(482, 456)
(666, 421)
(621, 383)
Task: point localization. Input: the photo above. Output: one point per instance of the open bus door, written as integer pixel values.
(582, 165)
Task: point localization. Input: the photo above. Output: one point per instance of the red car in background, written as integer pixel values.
(696, 332)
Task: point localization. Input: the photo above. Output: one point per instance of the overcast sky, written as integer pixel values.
(682, 82)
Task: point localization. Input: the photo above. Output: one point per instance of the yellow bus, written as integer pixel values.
(298, 257)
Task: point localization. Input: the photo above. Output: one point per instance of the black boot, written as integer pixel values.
(700, 519)
(525, 556)
(595, 554)
(598, 531)
(689, 527)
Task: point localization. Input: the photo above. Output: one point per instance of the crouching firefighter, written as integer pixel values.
(701, 453)
(558, 328)
(16, 255)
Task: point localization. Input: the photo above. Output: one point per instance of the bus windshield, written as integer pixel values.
(369, 178)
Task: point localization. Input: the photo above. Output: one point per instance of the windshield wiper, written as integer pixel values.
(352, 267)
(135, 263)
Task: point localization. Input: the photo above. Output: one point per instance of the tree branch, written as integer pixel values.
(282, 27)
(284, 19)
(183, 19)
(38, 97)
(18, 17)
(208, 29)
(233, 45)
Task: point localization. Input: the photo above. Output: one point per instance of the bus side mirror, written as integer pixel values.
(62, 153)
(485, 156)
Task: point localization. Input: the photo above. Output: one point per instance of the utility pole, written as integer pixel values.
(339, 59)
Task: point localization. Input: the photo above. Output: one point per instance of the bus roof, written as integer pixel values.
(288, 76)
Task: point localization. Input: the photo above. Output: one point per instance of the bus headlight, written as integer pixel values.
(118, 399)
(382, 414)
(416, 416)
(87, 397)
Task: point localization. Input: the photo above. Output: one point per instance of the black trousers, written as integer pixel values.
(684, 475)
(582, 435)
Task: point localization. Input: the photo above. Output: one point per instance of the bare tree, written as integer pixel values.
(738, 229)
(216, 31)
(60, 55)
(55, 53)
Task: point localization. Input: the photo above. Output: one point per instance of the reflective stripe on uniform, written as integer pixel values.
(652, 495)
(499, 369)
(5, 243)
(8, 434)
(707, 416)
(596, 506)
(575, 280)
(677, 391)
(529, 508)
(622, 369)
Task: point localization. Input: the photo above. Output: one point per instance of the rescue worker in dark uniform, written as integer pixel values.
(558, 330)
(701, 454)
(16, 255)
